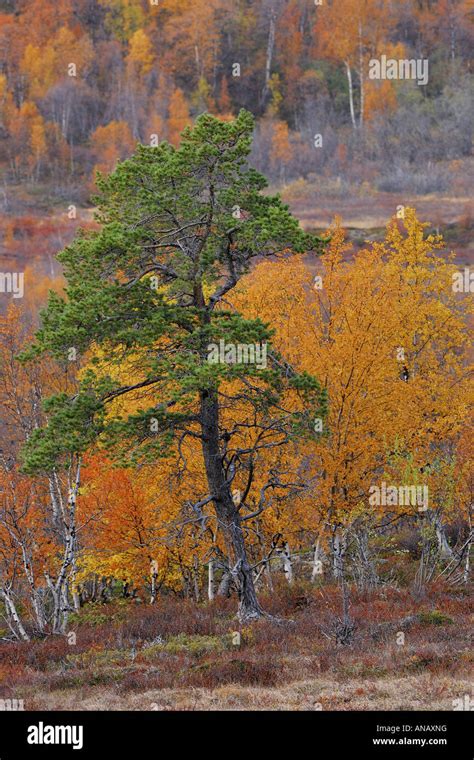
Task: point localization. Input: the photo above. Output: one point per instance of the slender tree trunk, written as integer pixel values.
(338, 552)
(367, 571)
(351, 93)
(54, 499)
(287, 564)
(268, 573)
(197, 594)
(361, 78)
(467, 564)
(12, 612)
(434, 518)
(36, 601)
(210, 580)
(269, 57)
(75, 590)
(154, 576)
(224, 585)
(317, 567)
(226, 511)
(60, 588)
(77, 597)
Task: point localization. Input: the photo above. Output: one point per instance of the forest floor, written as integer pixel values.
(408, 652)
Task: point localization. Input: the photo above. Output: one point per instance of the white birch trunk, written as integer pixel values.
(12, 611)
(317, 564)
(154, 577)
(210, 580)
(351, 93)
(59, 588)
(287, 564)
(361, 78)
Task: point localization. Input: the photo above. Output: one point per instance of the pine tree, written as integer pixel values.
(146, 299)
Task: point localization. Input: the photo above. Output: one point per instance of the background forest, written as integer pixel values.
(83, 80)
(342, 533)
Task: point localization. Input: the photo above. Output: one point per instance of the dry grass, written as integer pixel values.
(180, 655)
(421, 692)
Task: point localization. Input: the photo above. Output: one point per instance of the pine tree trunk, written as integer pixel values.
(226, 511)
(249, 607)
